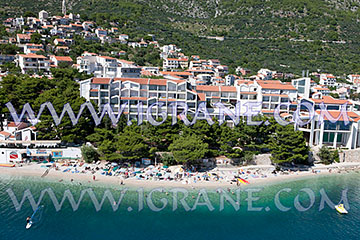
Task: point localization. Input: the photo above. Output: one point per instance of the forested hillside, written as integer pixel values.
(285, 35)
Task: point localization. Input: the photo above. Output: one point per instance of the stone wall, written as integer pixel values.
(261, 159)
(349, 155)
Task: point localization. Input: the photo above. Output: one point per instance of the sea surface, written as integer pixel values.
(299, 215)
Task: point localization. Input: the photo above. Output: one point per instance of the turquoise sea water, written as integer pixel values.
(200, 223)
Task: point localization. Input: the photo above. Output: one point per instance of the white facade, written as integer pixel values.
(303, 86)
(103, 66)
(170, 63)
(33, 63)
(265, 74)
(43, 15)
(119, 91)
(328, 80)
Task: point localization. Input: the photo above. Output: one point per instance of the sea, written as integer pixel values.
(295, 209)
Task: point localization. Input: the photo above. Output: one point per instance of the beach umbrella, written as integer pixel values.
(151, 166)
(114, 164)
(165, 167)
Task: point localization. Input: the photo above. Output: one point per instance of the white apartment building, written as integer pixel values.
(354, 78)
(103, 66)
(265, 74)
(321, 89)
(56, 60)
(153, 70)
(43, 15)
(273, 93)
(33, 48)
(261, 96)
(230, 80)
(321, 131)
(221, 70)
(123, 38)
(33, 63)
(132, 91)
(328, 80)
(170, 63)
(100, 32)
(226, 95)
(248, 96)
(303, 86)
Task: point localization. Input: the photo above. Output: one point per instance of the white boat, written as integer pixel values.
(341, 209)
(35, 217)
(28, 225)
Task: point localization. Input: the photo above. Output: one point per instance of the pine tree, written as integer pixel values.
(188, 149)
(288, 146)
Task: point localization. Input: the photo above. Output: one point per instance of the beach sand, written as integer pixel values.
(37, 170)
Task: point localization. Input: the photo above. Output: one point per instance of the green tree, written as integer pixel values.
(168, 159)
(288, 146)
(327, 157)
(89, 154)
(161, 136)
(131, 145)
(36, 38)
(29, 14)
(100, 135)
(188, 149)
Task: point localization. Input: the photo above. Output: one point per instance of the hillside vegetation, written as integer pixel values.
(285, 35)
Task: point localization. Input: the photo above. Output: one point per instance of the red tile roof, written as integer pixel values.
(331, 100)
(253, 93)
(32, 55)
(208, 88)
(101, 80)
(202, 96)
(6, 134)
(135, 80)
(275, 95)
(134, 98)
(335, 114)
(275, 85)
(23, 36)
(106, 57)
(228, 89)
(158, 81)
(177, 73)
(63, 58)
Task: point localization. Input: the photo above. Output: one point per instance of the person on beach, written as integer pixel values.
(94, 177)
(28, 219)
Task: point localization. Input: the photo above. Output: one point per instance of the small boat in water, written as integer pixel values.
(35, 217)
(341, 209)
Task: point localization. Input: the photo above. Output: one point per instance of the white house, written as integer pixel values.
(43, 15)
(328, 80)
(33, 62)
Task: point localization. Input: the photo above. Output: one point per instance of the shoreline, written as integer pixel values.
(36, 171)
